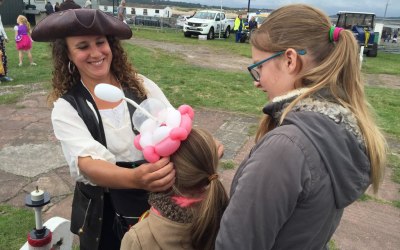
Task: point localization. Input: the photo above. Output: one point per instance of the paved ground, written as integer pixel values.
(30, 156)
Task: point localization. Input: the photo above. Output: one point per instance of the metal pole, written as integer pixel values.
(248, 10)
(220, 24)
(384, 16)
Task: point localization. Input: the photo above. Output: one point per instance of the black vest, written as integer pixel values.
(87, 205)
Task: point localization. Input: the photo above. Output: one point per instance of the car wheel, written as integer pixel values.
(374, 51)
(186, 34)
(243, 38)
(210, 35)
(227, 32)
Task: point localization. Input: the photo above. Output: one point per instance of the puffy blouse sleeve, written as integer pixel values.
(76, 140)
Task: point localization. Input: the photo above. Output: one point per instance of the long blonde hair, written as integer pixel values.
(195, 161)
(337, 68)
(22, 19)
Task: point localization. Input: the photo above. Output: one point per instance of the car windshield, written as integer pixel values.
(349, 20)
(204, 15)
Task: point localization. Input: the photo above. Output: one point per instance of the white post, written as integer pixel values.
(220, 23)
(361, 55)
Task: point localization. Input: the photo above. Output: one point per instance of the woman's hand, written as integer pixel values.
(155, 177)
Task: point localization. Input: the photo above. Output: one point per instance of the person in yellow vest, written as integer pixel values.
(239, 26)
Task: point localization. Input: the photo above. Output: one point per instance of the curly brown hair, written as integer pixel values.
(63, 80)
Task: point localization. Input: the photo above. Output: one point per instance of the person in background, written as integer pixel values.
(394, 39)
(188, 215)
(69, 4)
(23, 39)
(317, 148)
(3, 55)
(96, 135)
(121, 10)
(238, 27)
(57, 7)
(49, 8)
(88, 4)
(252, 23)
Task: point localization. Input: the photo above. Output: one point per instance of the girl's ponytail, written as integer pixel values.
(207, 218)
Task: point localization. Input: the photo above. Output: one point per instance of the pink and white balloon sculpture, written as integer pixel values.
(161, 128)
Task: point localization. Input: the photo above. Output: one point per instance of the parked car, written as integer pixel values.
(208, 22)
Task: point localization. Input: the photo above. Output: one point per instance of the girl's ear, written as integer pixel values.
(292, 61)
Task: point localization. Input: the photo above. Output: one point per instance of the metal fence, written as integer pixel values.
(154, 21)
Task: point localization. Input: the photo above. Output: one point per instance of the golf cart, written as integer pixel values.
(362, 26)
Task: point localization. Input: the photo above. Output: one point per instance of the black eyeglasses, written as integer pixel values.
(252, 68)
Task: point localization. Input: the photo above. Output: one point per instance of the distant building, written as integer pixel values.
(143, 10)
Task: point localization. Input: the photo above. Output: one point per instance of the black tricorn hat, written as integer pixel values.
(79, 22)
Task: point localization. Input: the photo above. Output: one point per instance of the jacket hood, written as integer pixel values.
(334, 132)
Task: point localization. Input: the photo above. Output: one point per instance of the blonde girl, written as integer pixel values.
(23, 39)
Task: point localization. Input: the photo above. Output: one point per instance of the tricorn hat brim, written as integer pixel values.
(79, 22)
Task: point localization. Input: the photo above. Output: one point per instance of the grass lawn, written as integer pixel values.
(183, 83)
(15, 223)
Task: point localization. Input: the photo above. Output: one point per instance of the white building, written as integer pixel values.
(157, 11)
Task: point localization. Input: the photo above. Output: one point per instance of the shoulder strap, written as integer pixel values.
(78, 97)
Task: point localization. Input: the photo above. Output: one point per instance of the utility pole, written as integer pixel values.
(248, 10)
(384, 16)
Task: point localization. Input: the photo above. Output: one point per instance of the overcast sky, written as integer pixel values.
(330, 7)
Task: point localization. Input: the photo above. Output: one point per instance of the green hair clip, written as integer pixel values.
(331, 30)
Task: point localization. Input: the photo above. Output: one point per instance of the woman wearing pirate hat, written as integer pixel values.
(96, 135)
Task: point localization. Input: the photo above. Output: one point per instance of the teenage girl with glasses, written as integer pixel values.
(317, 147)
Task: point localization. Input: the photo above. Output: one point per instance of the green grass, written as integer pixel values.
(394, 163)
(15, 224)
(11, 97)
(225, 165)
(199, 87)
(332, 245)
(384, 63)
(176, 36)
(386, 103)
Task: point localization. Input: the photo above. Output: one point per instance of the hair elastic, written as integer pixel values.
(334, 33)
(212, 177)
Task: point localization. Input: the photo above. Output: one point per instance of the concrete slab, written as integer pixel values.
(31, 160)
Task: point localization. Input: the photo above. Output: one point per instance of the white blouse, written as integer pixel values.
(76, 140)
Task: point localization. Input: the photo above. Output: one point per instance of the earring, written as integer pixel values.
(71, 70)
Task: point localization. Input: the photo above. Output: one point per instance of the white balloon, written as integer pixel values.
(162, 115)
(151, 105)
(108, 92)
(174, 118)
(160, 134)
(146, 140)
(148, 125)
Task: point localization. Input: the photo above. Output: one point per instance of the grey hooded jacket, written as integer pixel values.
(291, 190)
